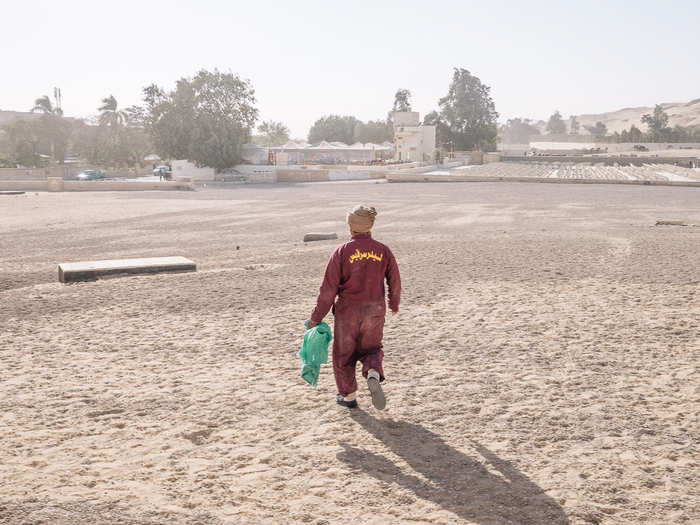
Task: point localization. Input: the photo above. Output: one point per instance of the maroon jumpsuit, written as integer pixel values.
(355, 274)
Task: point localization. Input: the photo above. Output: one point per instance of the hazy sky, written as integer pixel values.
(311, 58)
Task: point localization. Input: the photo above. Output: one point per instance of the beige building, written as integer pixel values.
(412, 141)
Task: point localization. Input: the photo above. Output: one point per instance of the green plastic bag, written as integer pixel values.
(314, 352)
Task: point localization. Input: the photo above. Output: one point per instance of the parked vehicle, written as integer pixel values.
(164, 172)
(91, 175)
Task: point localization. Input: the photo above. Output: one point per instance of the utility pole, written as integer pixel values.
(57, 98)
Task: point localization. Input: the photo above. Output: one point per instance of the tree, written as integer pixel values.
(519, 131)
(402, 100)
(574, 125)
(85, 142)
(333, 128)
(468, 113)
(374, 131)
(271, 134)
(110, 134)
(169, 118)
(44, 105)
(599, 130)
(135, 144)
(635, 134)
(23, 142)
(657, 123)
(53, 130)
(119, 138)
(442, 132)
(135, 117)
(206, 119)
(110, 114)
(556, 125)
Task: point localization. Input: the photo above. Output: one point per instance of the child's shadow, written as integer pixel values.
(453, 480)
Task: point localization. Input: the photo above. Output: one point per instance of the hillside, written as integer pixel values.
(683, 114)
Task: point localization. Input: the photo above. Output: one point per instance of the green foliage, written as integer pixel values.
(23, 142)
(348, 129)
(633, 135)
(467, 114)
(112, 144)
(55, 131)
(169, 118)
(44, 105)
(110, 114)
(88, 143)
(333, 128)
(135, 117)
(442, 132)
(657, 123)
(681, 134)
(402, 100)
(519, 131)
(556, 124)
(120, 138)
(136, 144)
(206, 119)
(26, 140)
(374, 131)
(599, 130)
(675, 134)
(574, 125)
(271, 133)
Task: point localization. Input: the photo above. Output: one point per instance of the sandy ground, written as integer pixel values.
(543, 369)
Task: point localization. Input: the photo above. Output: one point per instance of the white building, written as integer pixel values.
(412, 141)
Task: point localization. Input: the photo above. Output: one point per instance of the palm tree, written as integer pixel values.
(110, 115)
(52, 122)
(44, 105)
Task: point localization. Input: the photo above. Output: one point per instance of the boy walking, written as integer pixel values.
(355, 274)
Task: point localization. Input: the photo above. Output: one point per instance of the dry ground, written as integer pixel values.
(543, 369)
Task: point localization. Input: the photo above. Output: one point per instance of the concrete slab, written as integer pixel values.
(310, 237)
(93, 270)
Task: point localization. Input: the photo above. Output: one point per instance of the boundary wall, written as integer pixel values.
(608, 160)
(56, 184)
(312, 175)
(399, 177)
(65, 172)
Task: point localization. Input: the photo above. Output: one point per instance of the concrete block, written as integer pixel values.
(93, 270)
(309, 237)
(54, 184)
(186, 182)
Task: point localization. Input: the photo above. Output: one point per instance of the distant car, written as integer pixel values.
(164, 172)
(91, 175)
